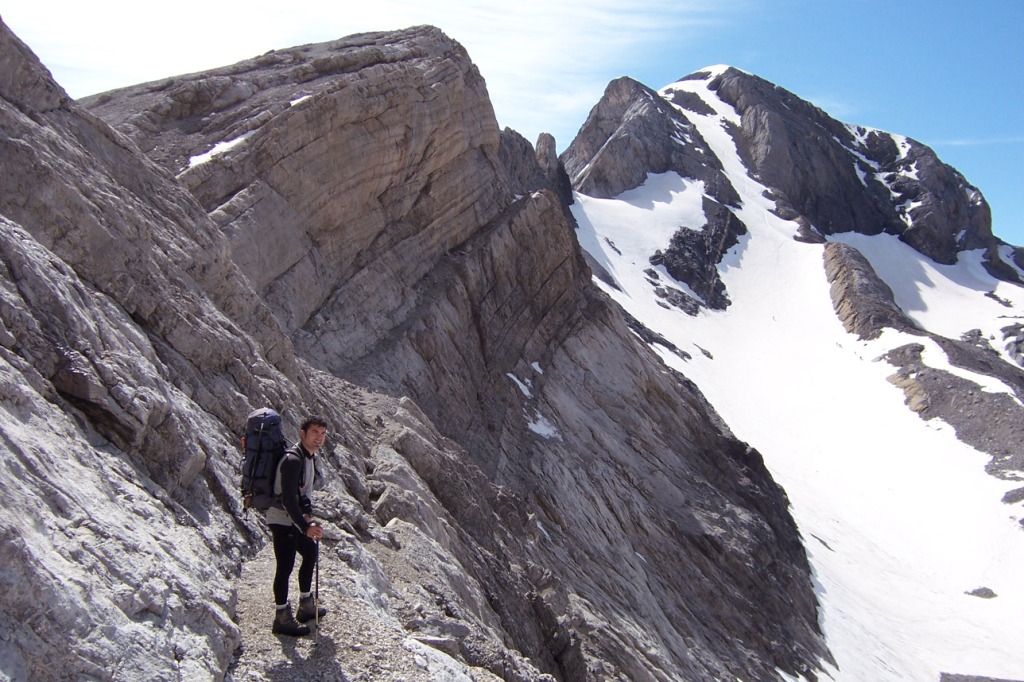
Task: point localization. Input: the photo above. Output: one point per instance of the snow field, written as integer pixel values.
(899, 518)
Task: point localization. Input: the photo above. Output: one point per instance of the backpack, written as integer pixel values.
(263, 446)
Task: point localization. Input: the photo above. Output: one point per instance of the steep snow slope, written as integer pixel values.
(899, 518)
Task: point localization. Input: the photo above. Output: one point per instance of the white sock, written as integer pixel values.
(282, 607)
(306, 595)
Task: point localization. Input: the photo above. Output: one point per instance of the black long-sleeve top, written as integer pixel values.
(296, 473)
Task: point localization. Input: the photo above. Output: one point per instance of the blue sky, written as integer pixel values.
(948, 74)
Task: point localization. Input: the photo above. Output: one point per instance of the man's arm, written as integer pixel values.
(291, 473)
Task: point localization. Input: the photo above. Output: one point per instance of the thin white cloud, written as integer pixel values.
(545, 61)
(979, 141)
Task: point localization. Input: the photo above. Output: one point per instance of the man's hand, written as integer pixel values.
(314, 532)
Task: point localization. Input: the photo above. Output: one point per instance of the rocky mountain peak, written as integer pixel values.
(828, 176)
(633, 131)
(871, 218)
(875, 181)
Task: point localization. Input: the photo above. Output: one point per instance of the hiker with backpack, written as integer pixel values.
(290, 519)
(278, 481)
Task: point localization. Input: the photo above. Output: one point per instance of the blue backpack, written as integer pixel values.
(263, 445)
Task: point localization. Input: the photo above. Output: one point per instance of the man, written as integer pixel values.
(290, 519)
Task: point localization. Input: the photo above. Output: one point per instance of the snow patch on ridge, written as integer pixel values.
(543, 428)
(948, 300)
(217, 150)
(523, 386)
(663, 204)
(713, 71)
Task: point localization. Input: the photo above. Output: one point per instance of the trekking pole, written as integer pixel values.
(316, 595)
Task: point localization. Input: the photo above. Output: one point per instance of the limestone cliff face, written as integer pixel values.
(512, 478)
(128, 343)
(366, 158)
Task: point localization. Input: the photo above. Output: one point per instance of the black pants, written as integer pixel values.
(289, 541)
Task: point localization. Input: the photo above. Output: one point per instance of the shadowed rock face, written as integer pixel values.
(692, 255)
(366, 253)
(531, 170)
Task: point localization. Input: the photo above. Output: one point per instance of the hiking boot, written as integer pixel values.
(308, 610)
(284, 624)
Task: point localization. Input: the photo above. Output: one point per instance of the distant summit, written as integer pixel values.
(826, 174)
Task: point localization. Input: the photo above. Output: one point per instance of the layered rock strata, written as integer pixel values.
(864, 303)
(129, 343)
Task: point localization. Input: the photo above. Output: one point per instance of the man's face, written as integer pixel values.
(313, 438)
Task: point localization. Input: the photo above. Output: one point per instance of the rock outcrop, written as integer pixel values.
(991, 422)
(864, 303)
(512, 481)
(533, 170)
(692, 255)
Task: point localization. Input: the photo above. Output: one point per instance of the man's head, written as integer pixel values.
(312, 433)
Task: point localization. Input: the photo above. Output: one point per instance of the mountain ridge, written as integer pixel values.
(783, 365)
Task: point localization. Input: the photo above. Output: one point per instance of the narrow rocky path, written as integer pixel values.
(353, 643)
